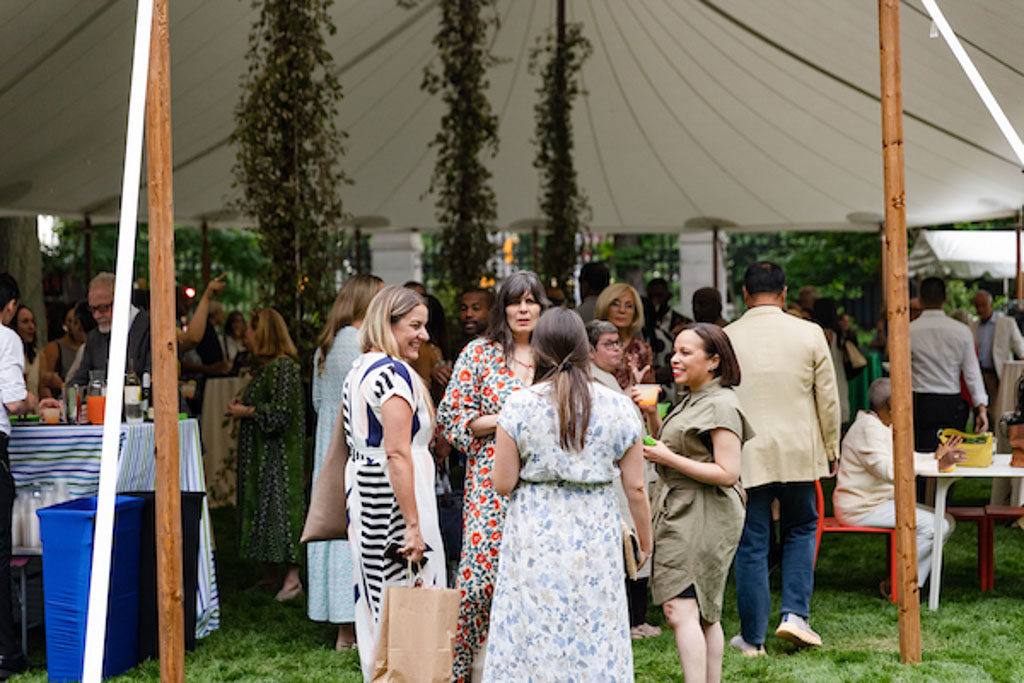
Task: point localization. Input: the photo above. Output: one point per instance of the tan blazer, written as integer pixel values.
(1006, 341)
(788, 392)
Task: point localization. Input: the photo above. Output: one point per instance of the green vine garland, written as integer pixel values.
(466, 204)
(562, 201)
(288, 154)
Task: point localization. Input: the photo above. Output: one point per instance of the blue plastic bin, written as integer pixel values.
(67, 535)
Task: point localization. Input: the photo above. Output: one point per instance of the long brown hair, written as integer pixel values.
(562, 354)
(349, 306)
(270, 337)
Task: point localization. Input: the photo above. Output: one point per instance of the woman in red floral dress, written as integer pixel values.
(486, 372)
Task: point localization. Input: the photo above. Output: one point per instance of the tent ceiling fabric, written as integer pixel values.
(964, 254)
(763, 114)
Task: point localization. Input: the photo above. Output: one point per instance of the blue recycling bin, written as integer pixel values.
(67, 535)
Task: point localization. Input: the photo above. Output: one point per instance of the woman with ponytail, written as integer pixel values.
(559, 611)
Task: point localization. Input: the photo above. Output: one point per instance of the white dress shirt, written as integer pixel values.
(12, 373)
(940, 349)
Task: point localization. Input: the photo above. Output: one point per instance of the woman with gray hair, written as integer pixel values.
(865, 495)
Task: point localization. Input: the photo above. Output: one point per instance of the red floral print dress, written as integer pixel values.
(480, 384)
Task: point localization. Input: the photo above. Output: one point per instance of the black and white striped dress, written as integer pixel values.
(375, 520)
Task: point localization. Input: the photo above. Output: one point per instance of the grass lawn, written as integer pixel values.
(972, 637)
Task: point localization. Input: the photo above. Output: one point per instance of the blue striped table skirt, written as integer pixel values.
(43, 454)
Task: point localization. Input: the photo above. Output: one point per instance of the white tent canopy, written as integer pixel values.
(964, 254)
(763, 115)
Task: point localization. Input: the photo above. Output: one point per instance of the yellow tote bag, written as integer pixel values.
(978, 447)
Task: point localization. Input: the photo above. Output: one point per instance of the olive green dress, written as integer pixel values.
(271, 496)
(697, 526)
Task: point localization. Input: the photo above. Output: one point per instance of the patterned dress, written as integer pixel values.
(271, 495)
(480, 385)
(329, 563)
(374, 519)
(559, 610)
(641, 351)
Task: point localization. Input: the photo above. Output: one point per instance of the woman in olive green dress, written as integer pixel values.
(271, 504)
(698, 508)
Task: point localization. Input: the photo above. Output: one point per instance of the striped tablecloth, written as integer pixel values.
(41, 454)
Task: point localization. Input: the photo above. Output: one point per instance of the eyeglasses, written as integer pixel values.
(102, 308)
(609, 345)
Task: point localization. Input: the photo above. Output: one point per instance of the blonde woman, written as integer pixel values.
(271, 495)
(387, 420)
(329, 563)
(620, 305)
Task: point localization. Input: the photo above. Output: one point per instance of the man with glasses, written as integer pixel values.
(97, 344)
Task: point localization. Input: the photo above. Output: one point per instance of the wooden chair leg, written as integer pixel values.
(988, 583)
(893, 569)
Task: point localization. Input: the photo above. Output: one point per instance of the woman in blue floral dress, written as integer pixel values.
(487, 372)
(559, 610)
(329, 563)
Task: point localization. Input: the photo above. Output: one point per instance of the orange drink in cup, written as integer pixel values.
(51, 416)
(96, 405)
(648, 394)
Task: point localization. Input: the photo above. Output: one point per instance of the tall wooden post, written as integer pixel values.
(170, 599)
(87, 229)
(204, 230)
(1020, 281)
(897, 287)
(885, 266)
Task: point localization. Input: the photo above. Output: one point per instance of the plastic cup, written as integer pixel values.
(96, 406)
(188, 390)
(648, 394)
(51, 416)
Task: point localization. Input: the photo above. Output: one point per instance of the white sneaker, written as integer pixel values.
(745, 648)
(795, 629)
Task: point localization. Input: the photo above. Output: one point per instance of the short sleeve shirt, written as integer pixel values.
(12, 373)
(530, 418)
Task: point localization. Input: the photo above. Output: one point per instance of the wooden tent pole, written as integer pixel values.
(170, 599)
(1020, 282)
(885, 266)
(897, 287)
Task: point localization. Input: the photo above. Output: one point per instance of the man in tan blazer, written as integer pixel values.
(997, 339)
(789, 394)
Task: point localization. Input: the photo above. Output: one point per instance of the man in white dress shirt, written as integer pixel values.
(998, 339)
(941, 349)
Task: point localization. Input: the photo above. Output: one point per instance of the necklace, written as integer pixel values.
(528, 366)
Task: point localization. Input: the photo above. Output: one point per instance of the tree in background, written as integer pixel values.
(466, 204)
(288, 153)
(559, 56)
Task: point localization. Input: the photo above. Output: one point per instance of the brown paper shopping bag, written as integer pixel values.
(417, 635)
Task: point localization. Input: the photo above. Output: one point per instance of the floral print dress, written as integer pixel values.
(559, 609)
(480, 385)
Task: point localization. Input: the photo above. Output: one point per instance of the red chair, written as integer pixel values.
(977, 514)
(831, 524)
(987, 528)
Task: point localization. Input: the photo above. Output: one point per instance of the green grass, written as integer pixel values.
(972, 637)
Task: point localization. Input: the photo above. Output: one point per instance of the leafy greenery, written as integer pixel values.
(972, 637)
(232, 251)
(466, 204)
(559, 59)
(288, 154)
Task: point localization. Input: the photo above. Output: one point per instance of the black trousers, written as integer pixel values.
(636, 599)
(8, 639)
(933, 412)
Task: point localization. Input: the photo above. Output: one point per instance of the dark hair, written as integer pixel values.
(764, 276)
(716, 343)
(56, 313)
(562, 355)
(437, 325)
(596, 276)
(657, 282)
(8, 289)
(479, 290)
(707, 305)
(30, 346)
(932, 292)
(825, 313)
(229, 322)
(84, 316)
(513, 289)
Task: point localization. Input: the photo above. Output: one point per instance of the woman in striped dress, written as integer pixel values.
(389, 478)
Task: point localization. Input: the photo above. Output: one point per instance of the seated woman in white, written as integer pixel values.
(864, 494)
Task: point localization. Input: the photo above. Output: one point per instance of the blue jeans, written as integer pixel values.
(798, 520)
